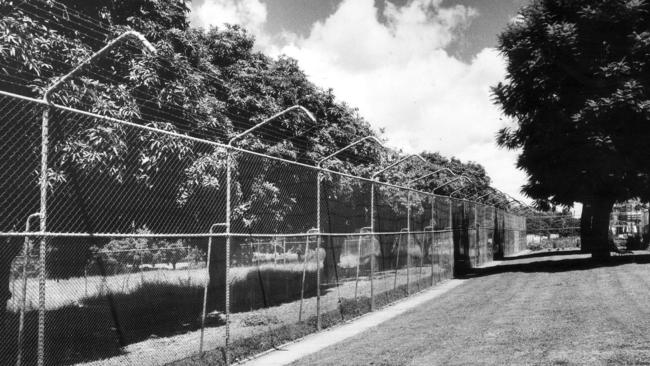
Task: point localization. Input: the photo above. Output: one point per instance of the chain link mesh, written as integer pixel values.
(133, 209)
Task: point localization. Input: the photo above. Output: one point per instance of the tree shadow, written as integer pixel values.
(543, 254)
(100, 326)
(558, 265)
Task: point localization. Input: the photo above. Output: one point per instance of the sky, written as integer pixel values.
(419, 69)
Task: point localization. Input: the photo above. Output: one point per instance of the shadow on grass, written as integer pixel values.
(560, 265)
(550, 253)
(100, 326)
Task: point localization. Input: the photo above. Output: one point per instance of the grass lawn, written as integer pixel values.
(540, 310)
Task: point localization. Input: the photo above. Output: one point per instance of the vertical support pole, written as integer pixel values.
(433, 237)
(86, 280)
(356, 279)
(318, 245)
(399, 244)
(304, 273)
(228, 239)
(451, 249)
(372, 244)
(205, 293)
(318, 317)
(23, 300)
(43, 228)
(408, 242)
(478, 237)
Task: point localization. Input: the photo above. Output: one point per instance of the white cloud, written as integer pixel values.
(250, 14)
(397, 73)
(400, 77)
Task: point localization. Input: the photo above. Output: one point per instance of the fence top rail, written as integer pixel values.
(48, 234)
(219, 145)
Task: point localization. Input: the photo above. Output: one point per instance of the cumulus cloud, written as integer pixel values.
(393, 66)
(399, 75)
(250, 14)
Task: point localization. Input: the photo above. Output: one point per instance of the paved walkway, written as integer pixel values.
(318, 341)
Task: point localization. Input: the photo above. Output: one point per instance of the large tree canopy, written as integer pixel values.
(578, 86)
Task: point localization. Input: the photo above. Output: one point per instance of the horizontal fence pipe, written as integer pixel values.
(200, 235)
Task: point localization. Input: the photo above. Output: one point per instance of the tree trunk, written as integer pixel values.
(596, 227)
(217, 272)
(331, 260)
(10, 249)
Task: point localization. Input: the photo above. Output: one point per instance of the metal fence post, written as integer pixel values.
(318, 245)
(477, 235)
(452, 254)
(23, 300)
(304, 271)
(408, 242)
(372, 243)
(228, 238)
(43, 243)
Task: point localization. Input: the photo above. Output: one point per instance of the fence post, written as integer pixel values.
(433, 235)
(452, 254)
(372, 244)
(408, 242)
(228, 239)
(23, 300)
(318, 245)
(43, 243)
(304, 272)
(478, 237)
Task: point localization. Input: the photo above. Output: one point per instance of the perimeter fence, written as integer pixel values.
(213, 251)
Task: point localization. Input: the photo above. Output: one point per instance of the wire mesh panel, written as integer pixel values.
(20, 125)
(21, 317)
(472, 240)
(421, 225)
(272, 196)
(345, 204)
(109, 177)
(273, 289)
(346, 291)
(488, 233)
(134, 207)
(552, 232)
(392, 209)
(123, 292)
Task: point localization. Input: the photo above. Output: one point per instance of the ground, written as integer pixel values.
(540, 310)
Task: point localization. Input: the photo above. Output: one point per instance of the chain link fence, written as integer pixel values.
(132, 242)
(553, 232)
(216, 252)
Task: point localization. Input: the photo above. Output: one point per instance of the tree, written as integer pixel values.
(577, 85)
(203, 84)
(172, 252)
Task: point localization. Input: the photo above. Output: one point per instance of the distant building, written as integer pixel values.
(629, 218)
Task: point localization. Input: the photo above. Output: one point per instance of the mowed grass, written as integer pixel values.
(548, 310)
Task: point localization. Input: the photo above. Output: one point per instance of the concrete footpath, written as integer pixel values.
(317, 341)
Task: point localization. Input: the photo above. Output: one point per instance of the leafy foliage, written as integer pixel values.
(577, 85)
